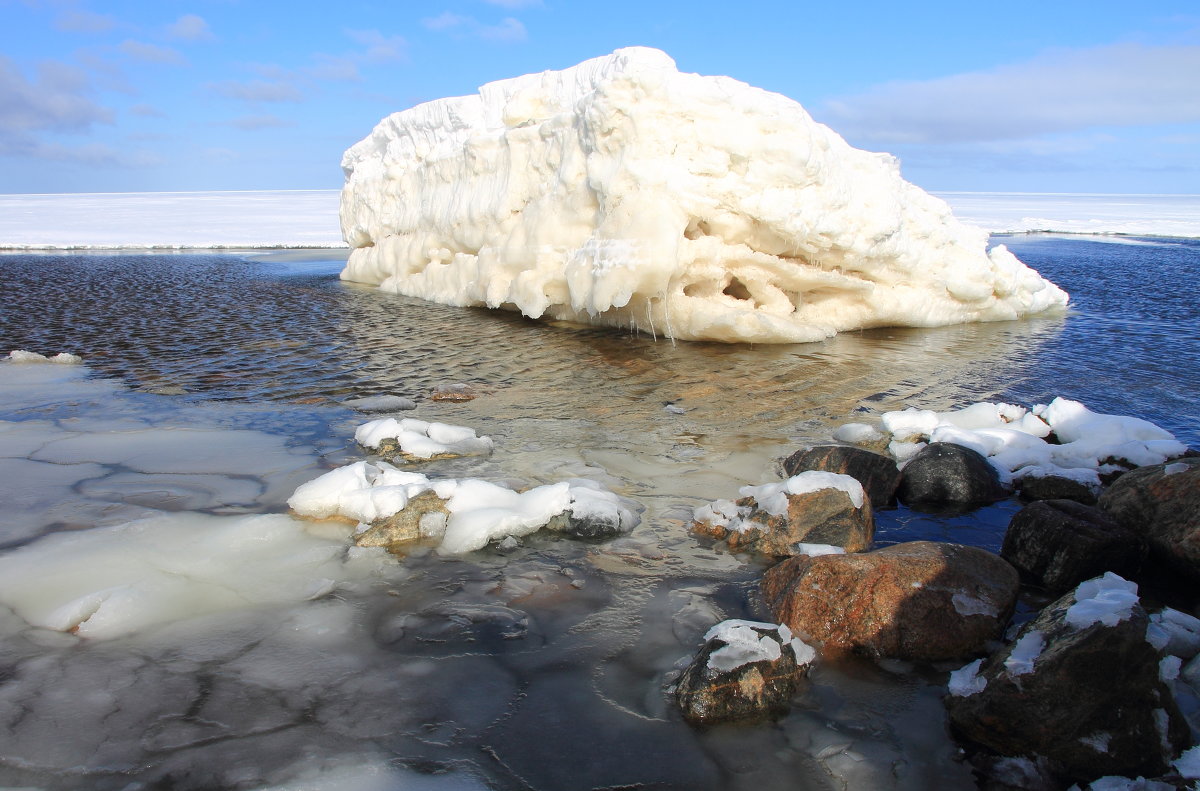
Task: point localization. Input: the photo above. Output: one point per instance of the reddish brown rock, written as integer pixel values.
(826, 516)
(920, 600)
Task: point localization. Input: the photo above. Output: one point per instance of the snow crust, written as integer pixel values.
(966, 680)
(625, 193)
(1174, 632)
(480, 511)
(745, 643)
(1025, 653)
(1108, 599)
(1080, 213)
(772, 497)
(1013, 438)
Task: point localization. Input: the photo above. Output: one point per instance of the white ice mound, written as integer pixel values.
(625, 193)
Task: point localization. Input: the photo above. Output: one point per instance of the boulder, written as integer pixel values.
(877, 473)
(1162, 503)
(920, 600)
(943, 474)
(425, 515)
(1055, 487)
(825, 516)
(1061, 543)
(746, 670)
(1080, 686)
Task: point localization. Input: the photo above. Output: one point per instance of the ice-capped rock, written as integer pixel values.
(623, 192)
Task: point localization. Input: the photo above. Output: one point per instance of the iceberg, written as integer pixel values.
(622, 192)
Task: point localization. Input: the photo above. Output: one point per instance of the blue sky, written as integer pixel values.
(1048, 96)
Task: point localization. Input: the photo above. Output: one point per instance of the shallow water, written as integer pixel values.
(542, 668)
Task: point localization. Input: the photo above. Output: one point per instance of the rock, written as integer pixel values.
(1061, 543)
(424, 517)
(773, 521)
(746, 670)
(1080, 686)
(920, 600)
(1162, 503)
(945, 474)
(877, 473)
(1055, 487)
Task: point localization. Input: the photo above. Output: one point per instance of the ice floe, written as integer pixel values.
(623, 192)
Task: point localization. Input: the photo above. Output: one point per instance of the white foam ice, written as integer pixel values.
(62, 358)
(625, 193)
(1108, 599)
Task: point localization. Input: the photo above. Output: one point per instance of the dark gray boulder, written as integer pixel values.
(945, 475)
(1061, 543)
(877, 473)
(1084, 694)
(1162, 503)
(1055, 487)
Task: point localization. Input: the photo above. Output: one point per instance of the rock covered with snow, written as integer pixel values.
(785, 518)
(918, 600)
(462, 515)
(1080, 686)
(625, 193)
(419, 440)
(877, 473)
(1162, 503)
(1061, 543)
(1062, 439)
(745, 670)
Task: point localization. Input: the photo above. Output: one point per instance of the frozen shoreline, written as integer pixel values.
(308, 219)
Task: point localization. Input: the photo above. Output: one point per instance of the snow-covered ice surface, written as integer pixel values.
(1073, 213)
(448, 671)
(625, 193)
(170, 220)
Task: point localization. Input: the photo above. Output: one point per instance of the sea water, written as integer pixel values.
(546, 666)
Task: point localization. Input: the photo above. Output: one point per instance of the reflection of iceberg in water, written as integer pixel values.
(425, 665)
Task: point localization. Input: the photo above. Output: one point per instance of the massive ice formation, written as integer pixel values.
(623, 192)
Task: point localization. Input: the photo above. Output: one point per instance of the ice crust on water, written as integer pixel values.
(480, 511)
(625, 193)
(1013, 438)
(743, 645)
(107, 582)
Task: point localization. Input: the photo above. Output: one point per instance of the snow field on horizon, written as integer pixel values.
(309, 218)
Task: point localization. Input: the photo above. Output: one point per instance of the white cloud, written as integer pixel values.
(257, 91)
(1058, 91)
(190, 27)
(380, 48)
(151, 53)
(447, 20)
(252, 123)
(513, 5)
(331, 67)
(147, 111)
(56, 101)
(508, 30)
(78, 21)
